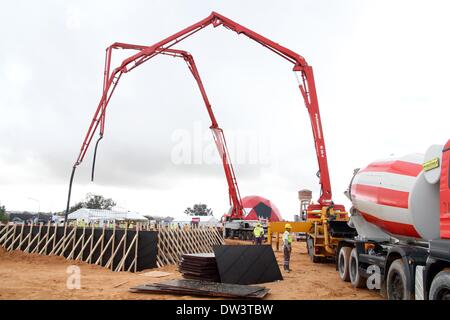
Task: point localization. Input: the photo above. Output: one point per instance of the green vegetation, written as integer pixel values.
(94, 201)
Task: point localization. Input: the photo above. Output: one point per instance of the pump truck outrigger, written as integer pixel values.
(329, 220)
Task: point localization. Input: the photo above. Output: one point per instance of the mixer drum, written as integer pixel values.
(395, 195)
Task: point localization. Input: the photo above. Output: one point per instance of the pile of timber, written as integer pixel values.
(200, 266)
(174, 242)
(203, 288)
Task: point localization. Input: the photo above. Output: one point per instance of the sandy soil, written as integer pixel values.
(31, 276)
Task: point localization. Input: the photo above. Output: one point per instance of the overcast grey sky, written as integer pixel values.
(381, 70)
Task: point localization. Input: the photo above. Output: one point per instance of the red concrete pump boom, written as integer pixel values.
(307, 89)
(219, 137)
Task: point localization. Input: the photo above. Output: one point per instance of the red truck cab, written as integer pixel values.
(445, 192)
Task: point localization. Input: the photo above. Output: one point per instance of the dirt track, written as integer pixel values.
(30, 276)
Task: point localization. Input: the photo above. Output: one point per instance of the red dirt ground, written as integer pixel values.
(31, 276)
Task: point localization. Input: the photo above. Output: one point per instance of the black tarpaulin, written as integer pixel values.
(247, 264)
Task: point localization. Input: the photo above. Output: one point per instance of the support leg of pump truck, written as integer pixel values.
(329, 227)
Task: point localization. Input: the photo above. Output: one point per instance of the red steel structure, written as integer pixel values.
(306, 86)
(218, 135)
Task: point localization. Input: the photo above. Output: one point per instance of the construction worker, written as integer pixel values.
(258, 232)
(287, 246)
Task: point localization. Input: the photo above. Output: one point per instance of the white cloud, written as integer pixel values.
(73, 18)
(17, 74)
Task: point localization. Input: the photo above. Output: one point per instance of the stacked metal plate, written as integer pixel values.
(199, 266)
(203, 288)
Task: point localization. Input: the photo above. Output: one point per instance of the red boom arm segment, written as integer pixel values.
(219, 137)
(307, 86)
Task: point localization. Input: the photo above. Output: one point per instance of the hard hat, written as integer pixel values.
(287, 226)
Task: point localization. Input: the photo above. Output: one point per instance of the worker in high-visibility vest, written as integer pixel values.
(258, 232)
(287, 246)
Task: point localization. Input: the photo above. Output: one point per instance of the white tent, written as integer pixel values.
(89, 215)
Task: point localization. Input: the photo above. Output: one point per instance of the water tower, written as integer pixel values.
(305, 197)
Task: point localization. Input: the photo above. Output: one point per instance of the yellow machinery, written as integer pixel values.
(328, 227)
(324, 228)
(278, 228)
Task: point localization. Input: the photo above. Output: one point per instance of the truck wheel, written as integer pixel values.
(241, 235)
(310, 248)
(357, 280)
(343, 263)
(397, 282)
(440, 287)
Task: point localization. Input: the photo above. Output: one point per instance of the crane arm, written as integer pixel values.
(218, 135)
(219, 139)
(306, 86)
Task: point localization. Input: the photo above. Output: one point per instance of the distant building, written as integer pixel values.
(28, 217)
(209, 221)
(103, 216)
(159, 219)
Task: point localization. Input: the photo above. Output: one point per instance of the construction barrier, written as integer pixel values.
(120, 249)
(115, 248)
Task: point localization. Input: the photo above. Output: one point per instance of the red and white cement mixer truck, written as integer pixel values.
(401, 211)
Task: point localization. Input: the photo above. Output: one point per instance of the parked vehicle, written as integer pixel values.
(401, 210)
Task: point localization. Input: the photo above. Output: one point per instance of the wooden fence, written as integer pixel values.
(119, 249)
(116, 249)
(172, 243)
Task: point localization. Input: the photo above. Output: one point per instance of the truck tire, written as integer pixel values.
(440, 287)
(357, 280)
(397, 282)
(343, 263)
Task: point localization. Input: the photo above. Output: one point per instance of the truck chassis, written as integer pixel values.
(401, 271)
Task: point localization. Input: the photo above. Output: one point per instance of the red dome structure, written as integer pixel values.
(260, 208)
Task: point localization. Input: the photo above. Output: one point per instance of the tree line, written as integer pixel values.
(96, 201)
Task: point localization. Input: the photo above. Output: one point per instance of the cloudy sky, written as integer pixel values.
(382, 74)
